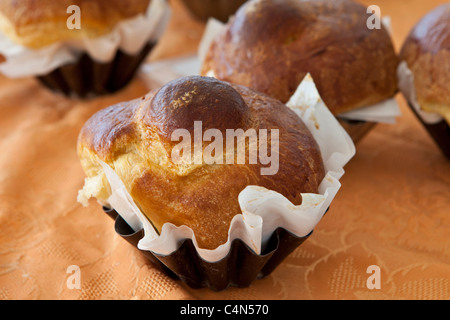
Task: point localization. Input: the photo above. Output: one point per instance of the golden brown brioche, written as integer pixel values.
(426, 50)
(134, 138)
(270, 45)
(36, 24)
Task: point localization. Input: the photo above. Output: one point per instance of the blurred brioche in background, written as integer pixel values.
(427, 54)
(270, 45)
(35, 24)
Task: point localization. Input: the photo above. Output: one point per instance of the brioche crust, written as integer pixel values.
(132, 138)
(36, 24)
(426, 50)
(270, 45)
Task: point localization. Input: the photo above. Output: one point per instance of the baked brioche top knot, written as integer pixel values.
(181, 102)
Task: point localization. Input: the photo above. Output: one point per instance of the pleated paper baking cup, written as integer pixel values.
(89, 67)
(267, 230)
(239, 268)
(434, 123)
(88, 77)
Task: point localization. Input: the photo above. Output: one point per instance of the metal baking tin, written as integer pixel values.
(87, 77)
(440, 132)
(356, 129)
(218, 9)
(238, 269)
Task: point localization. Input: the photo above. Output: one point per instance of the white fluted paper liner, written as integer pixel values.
(406, 86)
(383, 112)
(263, 210)
(130, 36)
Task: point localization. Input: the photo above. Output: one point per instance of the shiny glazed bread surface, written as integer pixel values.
(135, 139)
(270, 45)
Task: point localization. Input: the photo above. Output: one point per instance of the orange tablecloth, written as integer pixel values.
(393, 210)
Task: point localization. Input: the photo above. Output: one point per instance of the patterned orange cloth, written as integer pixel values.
(392, 212)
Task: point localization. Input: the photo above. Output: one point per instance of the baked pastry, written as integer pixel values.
(426, 55)
(78, 46)
(218, 9)
(36, 25)
(426, 51)
(136, 140)
(270, 45)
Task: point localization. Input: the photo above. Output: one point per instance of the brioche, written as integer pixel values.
(270, 45)
(36, 24)
(426, 51)
(136, 139)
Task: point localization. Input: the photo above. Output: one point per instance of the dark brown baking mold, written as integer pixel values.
(439, 132)
(87, 77)
(239, 268)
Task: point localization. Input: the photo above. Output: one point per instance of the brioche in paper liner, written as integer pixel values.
(140, 141)
(263, 210)
(424, 74)
(100, 57)
(270, 45)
